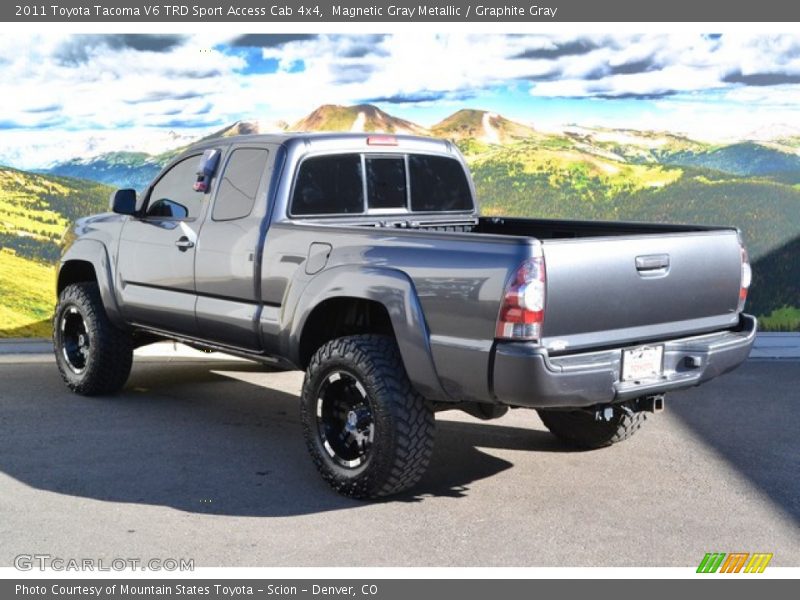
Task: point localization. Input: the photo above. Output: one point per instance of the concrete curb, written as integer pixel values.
(776, 346)
(768, 346)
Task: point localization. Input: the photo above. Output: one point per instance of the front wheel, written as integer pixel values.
(93, 356)
(369, 432)
(583, 429)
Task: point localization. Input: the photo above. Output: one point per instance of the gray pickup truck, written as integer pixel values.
(362, 259)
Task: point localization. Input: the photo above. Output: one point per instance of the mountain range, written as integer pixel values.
(476, 131)
(578, 172)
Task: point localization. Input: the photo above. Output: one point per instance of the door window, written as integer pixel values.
(172, 196)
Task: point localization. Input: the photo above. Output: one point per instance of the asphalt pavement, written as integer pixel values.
(204, 459)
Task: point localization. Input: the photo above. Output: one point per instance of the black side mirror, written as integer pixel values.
(123, 202)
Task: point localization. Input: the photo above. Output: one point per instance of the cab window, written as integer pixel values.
(328, 185)
(173, 197)
(438, 183)
(339, 184)
(239, 185)
(386, 182)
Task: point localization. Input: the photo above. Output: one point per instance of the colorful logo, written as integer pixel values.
(735, 562)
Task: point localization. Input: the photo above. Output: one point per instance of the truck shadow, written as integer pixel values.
(755, 433)
(206, 439)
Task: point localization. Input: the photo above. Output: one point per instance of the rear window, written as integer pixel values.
(386, 182)
(339, 184)
(329, 185)
(438, 183)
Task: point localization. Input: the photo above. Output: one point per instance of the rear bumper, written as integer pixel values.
(525, 374)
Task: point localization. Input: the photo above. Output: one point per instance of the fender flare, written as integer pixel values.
(96, 253)
(396, 292)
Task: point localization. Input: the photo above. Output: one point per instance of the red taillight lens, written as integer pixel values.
(747, 277)
(381, 140)
(522, 310)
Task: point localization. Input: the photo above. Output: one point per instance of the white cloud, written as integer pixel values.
(65, 82)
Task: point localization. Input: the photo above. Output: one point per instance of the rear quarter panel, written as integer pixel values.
(457, 278)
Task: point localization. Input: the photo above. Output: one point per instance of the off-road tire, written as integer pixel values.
(403, 420)
(109, 354)
(580, 429)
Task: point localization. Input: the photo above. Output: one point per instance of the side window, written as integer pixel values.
(239, 186)
(386, 182)
(173, 197)
(438, 184)
(329, 185)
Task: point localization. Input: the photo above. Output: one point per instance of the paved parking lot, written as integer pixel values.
(205, 460)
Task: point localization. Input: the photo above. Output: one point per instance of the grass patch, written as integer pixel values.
(27, 296)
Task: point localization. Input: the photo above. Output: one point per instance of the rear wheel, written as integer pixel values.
(582, 428)
(369, 432)
(93, 356)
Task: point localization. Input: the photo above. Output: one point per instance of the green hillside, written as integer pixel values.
(534, 179)
(27, 296)
(778, 160)
(34, 212)
(746, 159)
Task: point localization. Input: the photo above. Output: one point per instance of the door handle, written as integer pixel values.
(653, 265)
(184, 243)
(652, 262)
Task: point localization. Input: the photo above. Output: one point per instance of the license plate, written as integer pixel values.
(642, 363)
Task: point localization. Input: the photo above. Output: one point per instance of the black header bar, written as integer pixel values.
(399, 11)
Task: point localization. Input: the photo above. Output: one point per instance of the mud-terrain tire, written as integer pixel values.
(93, 356)
(370, 434)
(580, 429)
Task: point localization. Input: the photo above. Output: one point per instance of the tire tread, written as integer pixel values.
(110, 364)
(578, 428)
(377, 358)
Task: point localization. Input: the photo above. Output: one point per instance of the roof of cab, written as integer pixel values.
(283, 138)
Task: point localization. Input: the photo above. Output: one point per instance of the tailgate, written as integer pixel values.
(622, 290)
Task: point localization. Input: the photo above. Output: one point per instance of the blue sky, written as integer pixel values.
(144, 91)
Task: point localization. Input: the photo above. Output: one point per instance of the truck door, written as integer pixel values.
(157, 250)
(227, 265)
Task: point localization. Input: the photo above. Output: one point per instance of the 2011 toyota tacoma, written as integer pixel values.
(362, 259)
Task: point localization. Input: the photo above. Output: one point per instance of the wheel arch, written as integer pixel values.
(85, 261)
(387, 302)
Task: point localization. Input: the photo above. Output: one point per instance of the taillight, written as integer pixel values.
(522, 310)
(381, 140)
(747, 276)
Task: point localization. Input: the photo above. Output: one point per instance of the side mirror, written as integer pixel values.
(123, 202)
